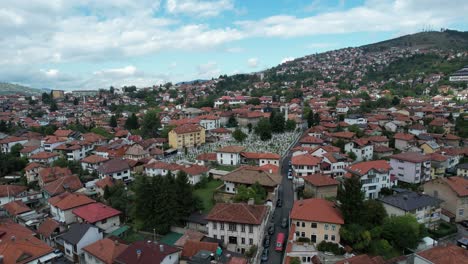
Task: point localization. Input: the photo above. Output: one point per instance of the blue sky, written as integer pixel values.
(86, 44)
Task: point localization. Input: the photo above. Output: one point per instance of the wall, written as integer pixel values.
(320, 231)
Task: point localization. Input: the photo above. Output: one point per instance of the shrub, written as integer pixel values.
(303, 239)
(330, 247)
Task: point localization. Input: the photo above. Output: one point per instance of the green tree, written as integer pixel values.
(15, 150)
(402, 231)
(132, 122)
(351, 199)
(53, 106)
(356, 235)
(263, 129)
(238, 135)
(113, 121)
(76, 101)
(382, 248)
(277, 122)
(290, 125)
(373, 213)
(3, 126)
(151, 124)
(232, 122)
(253, 101)
(357, 130)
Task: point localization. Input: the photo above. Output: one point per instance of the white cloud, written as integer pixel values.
(208, 70)
(252, 62)
(287, 59)
(198, 7)
(51, 73)
(125, 71)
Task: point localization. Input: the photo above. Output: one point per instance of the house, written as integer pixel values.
(363, 259)
(424, 208)
(78, 236)
(148, 252)
(103, 251)
(305, 164)
(192, 247)
(443, 254)
(305, 252)
(117, 169)
(194, 172)
(206, 158)
(27, 151)
(74, 151)
(100, 215)
(61, 206)
(462, 170)
(196, 221)
(7, 143)
(70, 183)
(48, 230)
(404, 141)
(17, 208)
(50, 143)
(10, 193)
(439, 164)
(32, 171)
(454, 192)
(50, 174)
(334, 164)
(93, 162)
(209, 122)
(429, 147)
(320, 185)
(20, 245)
(374, 176)
(229, 155)
(188, 135)
(237, 225)
(311, 141)
(221, 133)
(161, 168)
(44, 157)
(317, 219)
(417, 129)
(362, 148)
(101, 184)
(355, 120)
(249, 175)
(411, 167)
(136, 152)
(260, 159)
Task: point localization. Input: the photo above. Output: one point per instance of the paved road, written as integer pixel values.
(287, 196)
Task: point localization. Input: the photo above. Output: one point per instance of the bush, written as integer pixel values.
(330, 247)
(303, 239)
(251, 252)
(444, 229)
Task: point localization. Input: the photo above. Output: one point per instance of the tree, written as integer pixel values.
(113, 121)
(253, 101)
(290, 125)
(402, 231)
(238, 135)
(373, 213)
(53, 106)
(117, 197)
(151, 124)
(249, 127)
(351, 199)
(132, 122)
(263, 129)
(356, 235)
(186, 201)
(277, 122)
(232, 122)
(15, 150)
(395, 101)
(310, 119)
(256, 192)
(111, 89)
(382, 248)
(356, 129)
(352, 155)
(3, 126)
(76, 101)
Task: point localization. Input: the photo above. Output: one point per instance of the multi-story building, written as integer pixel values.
(117, 169)
(320, 186)
(374, 176)
(61, 206)
(411, 167)
(7, 143)
(305, 164)
(317, 219)
(425, 208)
(454, 192)
(362, 148)
(100, 215)
(229, 155)
(237, 225)
(188, 135)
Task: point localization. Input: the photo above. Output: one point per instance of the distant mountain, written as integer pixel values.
(447, 39)
(192, 82)
(10, 88)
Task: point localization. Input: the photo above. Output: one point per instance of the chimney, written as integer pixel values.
(116, 242)
(138, 252)
(161, 248)
(13, 239)
(251, 201)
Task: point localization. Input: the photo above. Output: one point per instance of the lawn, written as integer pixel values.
(206, 194)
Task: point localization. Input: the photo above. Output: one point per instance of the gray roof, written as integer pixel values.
(409, 201)
(113, 165)
(76, 232)
(463, 166)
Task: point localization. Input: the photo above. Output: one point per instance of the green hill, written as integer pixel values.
(448, 39)
(10, 88)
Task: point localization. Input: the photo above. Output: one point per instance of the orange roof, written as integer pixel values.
(450, 254)
(11, 190)
(24, 248)
(305, 159)
(320, 180)
(187, 128)
(207, 156)
(344, 134)
(32, 166)
(316, 210)
(403, 136)
(105, 250)
(106, 181)
(255, 155)
(364, 167)
(458, 185)
(95, 212)
(238, 213)
(67, 200)
(15, 208)
(362, 259)
(43, 155)
(192, 247)
(231, 149)
(47, 227)
(69, 182)
(93, 159)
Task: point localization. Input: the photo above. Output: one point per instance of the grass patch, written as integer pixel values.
(206, 194)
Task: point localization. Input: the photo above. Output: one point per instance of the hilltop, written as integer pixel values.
(448, 39)
(10, 88)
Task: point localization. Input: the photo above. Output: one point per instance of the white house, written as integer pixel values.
(411, 167)
(238, 225)
(76, 238)
(117, 169)
(7, 143)
(229, 155)
(305, 164)
(61, 206)
(362, 148)
(356, 120)
(148, 252)
(209, 122)
(374, 176)
(100, 215)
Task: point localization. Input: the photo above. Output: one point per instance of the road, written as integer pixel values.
(287, 196)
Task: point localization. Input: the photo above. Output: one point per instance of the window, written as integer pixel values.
(326, 226)
(304, 259)
(303, 224)
(243, 241)
(104, 221)
(250, 228)
(325, 237)
(333, 227)
(232, 227)
(215, 236)
(298, 224)
(313, 225)
(222, 238)
(221, 226)
(303, 234)
(243, 228)
(297, 233)
(215, 225)
(333, 237)
(251, 241)
(461, 212)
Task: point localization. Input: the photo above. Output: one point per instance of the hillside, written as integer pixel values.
(10, 88)
(448, 39)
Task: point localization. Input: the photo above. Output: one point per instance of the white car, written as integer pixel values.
(290, 176)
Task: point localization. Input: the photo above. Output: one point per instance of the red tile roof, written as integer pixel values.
(70, 183)
(150, 253)
(231, 149)
(207, 157)
(15, 208)
(344, 134)
(195, 169)
(32, 166)
(238, 213)
(106, 181)
(316, 210)
(449, 254)
(67, 200)
(105, 249)
(192, 247)
(95, 212)
(305, 159)
(255, 155)
(403, 136)
(458, 185)
(11, 190)
(43, 155)
(94, 159)
(187, 128)
(364, 167)
(47, 227)
(320, 180)
(362, 259)
(414, 157)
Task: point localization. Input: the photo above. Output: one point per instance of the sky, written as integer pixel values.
(92, 44)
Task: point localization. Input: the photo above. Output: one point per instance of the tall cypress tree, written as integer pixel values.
(351, 199)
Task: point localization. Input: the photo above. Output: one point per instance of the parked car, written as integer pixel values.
(266, 241)
(464, 223)
(284, 222)
(58, 253)
(265, 254)
(279, 203)
(271, 229)
(290, 176)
